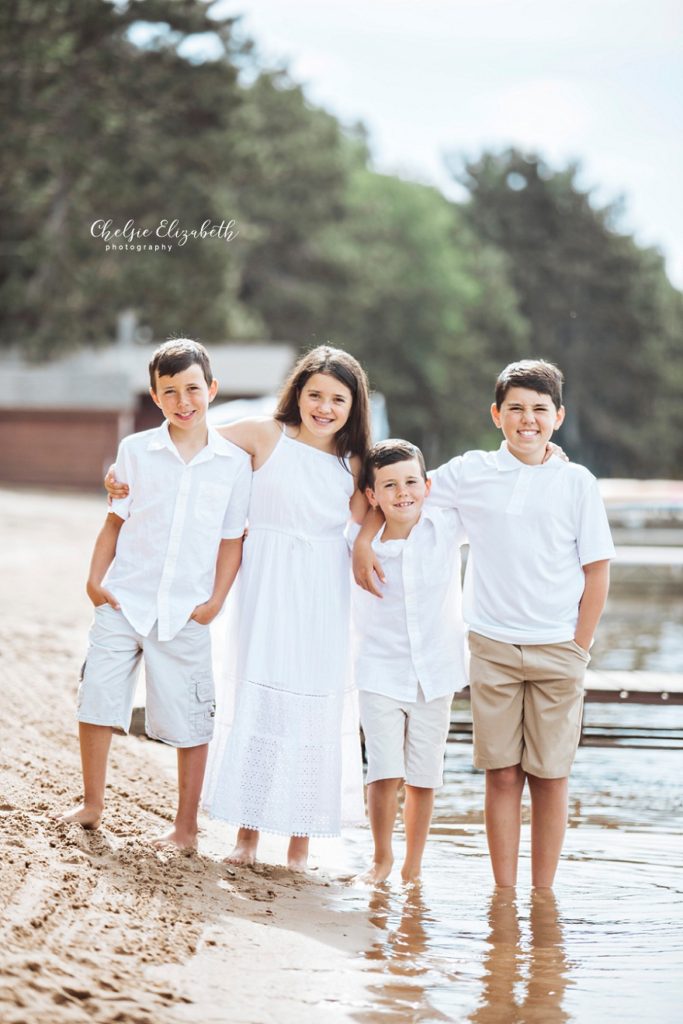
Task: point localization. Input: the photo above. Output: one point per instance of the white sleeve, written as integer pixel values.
(456, 529)
(445, 483)
(235, 518)
(594, 539)
(124, 471)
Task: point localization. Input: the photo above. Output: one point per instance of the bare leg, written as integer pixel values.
(417, 817)
(549, 809)
(503, 811)
(191, 765)
(382, 808)
(95, 741)
(297, 853)
(244, 851)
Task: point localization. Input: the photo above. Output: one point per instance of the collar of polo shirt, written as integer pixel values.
(505, 461)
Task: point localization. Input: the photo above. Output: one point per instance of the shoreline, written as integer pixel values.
(98, 925)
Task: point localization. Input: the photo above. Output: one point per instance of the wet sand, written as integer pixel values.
(96, 926)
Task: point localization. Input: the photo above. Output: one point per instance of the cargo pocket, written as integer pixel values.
(202, 706)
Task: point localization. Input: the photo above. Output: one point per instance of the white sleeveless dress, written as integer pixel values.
(285, 717)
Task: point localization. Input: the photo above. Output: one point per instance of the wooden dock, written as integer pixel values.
(609, 687)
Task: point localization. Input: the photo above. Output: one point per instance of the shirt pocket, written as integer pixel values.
(211, 503)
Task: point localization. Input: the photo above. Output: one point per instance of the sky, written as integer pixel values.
(597, 81)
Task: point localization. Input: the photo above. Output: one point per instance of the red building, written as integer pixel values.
(61, 422)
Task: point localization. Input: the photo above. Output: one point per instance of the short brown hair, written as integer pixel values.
(177, 355)
(534, 374)
(386, 453)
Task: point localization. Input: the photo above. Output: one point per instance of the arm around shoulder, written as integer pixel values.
(257, 436)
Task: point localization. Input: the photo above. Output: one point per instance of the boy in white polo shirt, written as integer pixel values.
(409, 651)
(161, 569)
(536, 584)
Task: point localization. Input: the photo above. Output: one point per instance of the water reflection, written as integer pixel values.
(525, 976)
(456, 950)
(404, 922)
(637, 634)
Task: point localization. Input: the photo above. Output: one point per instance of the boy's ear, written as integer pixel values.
(495, 414)
(213, 389)
(154, 397)
(560, 418)
(428, 486)
(370, 495)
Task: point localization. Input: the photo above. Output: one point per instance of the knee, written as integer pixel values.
(505, 779)
(547, 785)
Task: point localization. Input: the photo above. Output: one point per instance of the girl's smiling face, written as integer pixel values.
(324, 406)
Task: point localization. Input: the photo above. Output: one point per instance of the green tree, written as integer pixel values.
(289, 174)
(95, 126)
(422, 302)
(596, 304)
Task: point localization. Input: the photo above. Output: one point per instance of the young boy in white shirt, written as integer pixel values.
(536, 584)
(408, 652)
(161, 569)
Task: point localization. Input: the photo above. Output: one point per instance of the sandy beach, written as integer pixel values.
(97, 926)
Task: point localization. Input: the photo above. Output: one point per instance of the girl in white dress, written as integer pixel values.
(275, 763)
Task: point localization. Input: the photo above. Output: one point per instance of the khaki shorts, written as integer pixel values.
(405, 739)
(527, 701)
(180, 703)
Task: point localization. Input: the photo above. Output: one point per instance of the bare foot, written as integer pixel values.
(87, 815)
(410, 874)
(176, 837)
(297, 853)
(378, 873)
(244, 853)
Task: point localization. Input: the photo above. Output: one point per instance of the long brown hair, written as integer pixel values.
(354, 436)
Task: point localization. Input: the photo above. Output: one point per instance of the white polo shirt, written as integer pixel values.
(415, 634)
(175, 516)
(530, 530)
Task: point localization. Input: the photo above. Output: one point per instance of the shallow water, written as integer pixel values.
(606, 946)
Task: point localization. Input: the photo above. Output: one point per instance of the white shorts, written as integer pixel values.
(180, 704)
(405, 739)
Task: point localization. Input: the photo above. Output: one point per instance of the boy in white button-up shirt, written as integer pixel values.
(408, 651)
(536, 584)
(161, 569)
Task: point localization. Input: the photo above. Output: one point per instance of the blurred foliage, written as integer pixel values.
(96, 127)
(114, 110)
(595, 303)
(422, 299)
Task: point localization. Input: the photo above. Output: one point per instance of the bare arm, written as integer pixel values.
(227, 564)
(592, 601)
(102, 557)
(257, 436)
(359, 503)
(365, 565)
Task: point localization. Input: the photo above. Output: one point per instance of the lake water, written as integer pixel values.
(607, 944)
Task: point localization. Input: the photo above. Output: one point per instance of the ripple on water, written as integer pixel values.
(607, 945)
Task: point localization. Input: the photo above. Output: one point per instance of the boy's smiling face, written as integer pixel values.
(527, 419)
(184, 397)
(400, 490)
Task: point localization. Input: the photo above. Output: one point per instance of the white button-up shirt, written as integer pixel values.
(530, 530)
(176, 515)
(414, 635)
